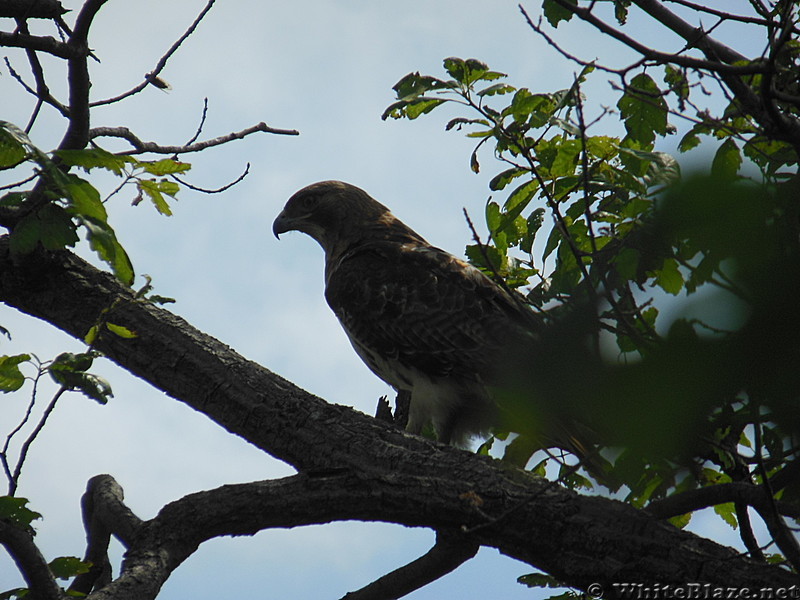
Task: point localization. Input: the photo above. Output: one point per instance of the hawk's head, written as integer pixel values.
(330, 212)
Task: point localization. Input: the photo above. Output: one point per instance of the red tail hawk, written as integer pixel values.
(421, 319)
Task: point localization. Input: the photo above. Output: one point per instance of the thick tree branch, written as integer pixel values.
(29, 560)
(440, 487)
(104, 514)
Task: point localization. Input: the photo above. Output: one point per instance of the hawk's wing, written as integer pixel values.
(421, 307)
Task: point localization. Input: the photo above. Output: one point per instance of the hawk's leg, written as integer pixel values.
(402, 408)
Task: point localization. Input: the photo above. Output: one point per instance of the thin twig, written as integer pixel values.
(46, 98)
(17, 429)
(142, 147)
(718, 13)
(197, 133)
(162, 62)
(217, 190)
(23, 453)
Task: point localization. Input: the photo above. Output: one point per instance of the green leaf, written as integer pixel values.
(644, 110)
(552, 242)
(520, 450)
(11, 378)
(165, 166)
(727, 160)
(152, 189)
(689, 141)
(487, 258)
(627, 263)
(517, 201)
(539, 580)
(91, 335)
(536, 109)
(555, 13)
(422, 106)
(121, 331)
(621, 11)
(566, 159)
(459, 121)
(12, 152)
(681, 521)
(497, 89)
(534, 223)
(501, 180)
(669, 278)
(85, 199)
(16, 510)
(103, 241)
(493, 220)
(677, 81)
(69, 371)
(66, 567)
(728, 513)
(51, 226)
(93, 158)
(14, 593)
(469, 71)
(485, 447)
(474, 165)
(414, 85)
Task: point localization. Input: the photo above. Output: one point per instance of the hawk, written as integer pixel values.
(422, 320)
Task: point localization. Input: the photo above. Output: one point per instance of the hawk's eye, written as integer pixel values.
(310, 202)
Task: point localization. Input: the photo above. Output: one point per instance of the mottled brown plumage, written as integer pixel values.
(420, 318)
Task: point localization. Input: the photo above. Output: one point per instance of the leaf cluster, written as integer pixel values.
(70, 203)
(600, 232)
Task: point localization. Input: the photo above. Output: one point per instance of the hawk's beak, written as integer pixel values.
(282, 224)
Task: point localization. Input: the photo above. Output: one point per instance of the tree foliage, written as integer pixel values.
(609, 238)
(611, 242)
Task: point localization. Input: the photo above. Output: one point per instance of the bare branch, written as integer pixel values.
(48, 44)
(29, 560)
(746, 532)
(77, 134)
(47, 98)
(695, 37)
(23, 453)
(142, 147)
(152, 75)
(197, 133)
(726, 16)
(104, 514)
(448, 553)
(744, 493)
(218, 190)
(42, 91)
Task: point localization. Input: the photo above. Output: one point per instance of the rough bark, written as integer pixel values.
(392, 476)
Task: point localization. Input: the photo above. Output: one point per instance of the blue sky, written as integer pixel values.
(326, 69)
